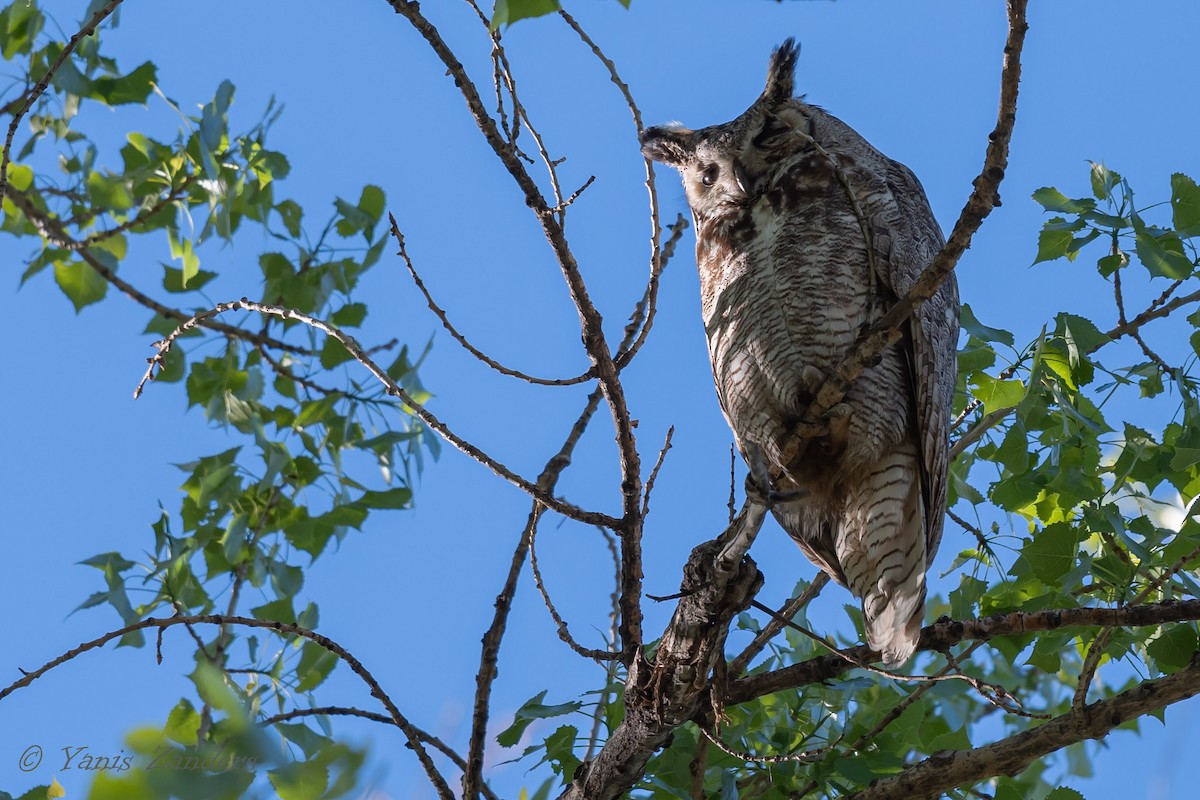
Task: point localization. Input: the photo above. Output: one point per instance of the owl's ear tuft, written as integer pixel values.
(781, 73)
(670, 144)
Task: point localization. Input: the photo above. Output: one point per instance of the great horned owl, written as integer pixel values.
(805, 234)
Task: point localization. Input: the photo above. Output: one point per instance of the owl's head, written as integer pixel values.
(722, 166)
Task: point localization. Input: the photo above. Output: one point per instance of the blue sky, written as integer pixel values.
(365, 102)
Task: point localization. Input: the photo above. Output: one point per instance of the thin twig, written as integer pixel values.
(1166, 575)
(662, 454)
(776, 623)
(440, 313)
(992, 692)
(969, 528)
(944, 634)
(1008, 756)
(751, 758)
(564, 632)
(658, 255)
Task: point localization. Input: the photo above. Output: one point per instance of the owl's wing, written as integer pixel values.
(907, 239)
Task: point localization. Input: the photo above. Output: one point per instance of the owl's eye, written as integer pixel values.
(710, 174)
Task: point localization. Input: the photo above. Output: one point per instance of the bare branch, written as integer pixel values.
(344, 711)
(1155, 311)
(590, 320)
(719, 582)
(662, 455)
(564, 632)
(658, 256)
(462, 340)
(976, 433)
(353, 663)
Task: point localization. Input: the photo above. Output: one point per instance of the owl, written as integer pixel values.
(805, 235)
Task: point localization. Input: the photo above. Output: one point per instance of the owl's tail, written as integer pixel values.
(882, 551)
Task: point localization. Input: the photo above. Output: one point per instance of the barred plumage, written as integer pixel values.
(805, 234)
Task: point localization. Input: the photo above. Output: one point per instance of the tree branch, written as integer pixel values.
(719, 581)
(948, 768)
(355, 665)
(590, 321)
(946, 633)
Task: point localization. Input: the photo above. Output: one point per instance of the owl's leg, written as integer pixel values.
(881, 547)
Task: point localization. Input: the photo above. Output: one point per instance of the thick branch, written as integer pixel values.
(719, 581)
(944, 634)
(946, 769)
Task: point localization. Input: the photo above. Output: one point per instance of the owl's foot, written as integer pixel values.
(760, 486)
(838, 420)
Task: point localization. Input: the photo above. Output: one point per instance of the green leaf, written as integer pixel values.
(315, 665)
(994, 393)
(1173, 646)
(291, 214)
(1063, 793)
(1052, 199)
(350, 315)
(372, 201)
(173, 280)
(1080, 334)
(1051, 552)
(333, 353)
(391, 498)
(20, 177)
(1054, 240)
(278, 610)
(973, 326)
(80, 283)
(183, 723)
(560, 752)
(300, 780)
(1185, 205)
(134, 87)
(1161, 255)
(509, 11)
(1103, 181)
(532, 709)
(183, 249)
(1107, 265)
